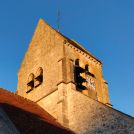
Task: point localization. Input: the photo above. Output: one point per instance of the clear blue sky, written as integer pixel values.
(104, 27)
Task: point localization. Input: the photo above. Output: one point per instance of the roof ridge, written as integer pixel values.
(17, 95)
(30, 102)
(76, 44)
(10, 101)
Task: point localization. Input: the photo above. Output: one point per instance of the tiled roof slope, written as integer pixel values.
(77, 45)
(28, 117)
(74, 43)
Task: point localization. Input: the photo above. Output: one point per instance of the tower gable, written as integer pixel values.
(48, 72)
(67, 81)
(44, 51)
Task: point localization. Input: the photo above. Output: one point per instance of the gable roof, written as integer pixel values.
(77, 45)
(28, 117)
(74, 43)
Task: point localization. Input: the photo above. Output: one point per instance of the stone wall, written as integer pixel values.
(52, 52)
(57, 94)
(84, 115)
(87, 116)
(50, 104)
(95, 67)
(45, 50)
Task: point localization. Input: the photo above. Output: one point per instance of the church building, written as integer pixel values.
(65, 80)
(53, 67)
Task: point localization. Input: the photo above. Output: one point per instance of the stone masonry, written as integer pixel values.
(67, 81)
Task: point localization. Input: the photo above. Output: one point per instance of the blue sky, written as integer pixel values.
(104, 27)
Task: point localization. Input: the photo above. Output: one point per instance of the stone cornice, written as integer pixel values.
(93, 59)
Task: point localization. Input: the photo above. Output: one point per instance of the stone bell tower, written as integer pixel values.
(60, 75)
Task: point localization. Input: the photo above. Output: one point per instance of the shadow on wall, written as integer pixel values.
(29, 123)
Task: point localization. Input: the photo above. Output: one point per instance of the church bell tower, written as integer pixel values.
(60, 75)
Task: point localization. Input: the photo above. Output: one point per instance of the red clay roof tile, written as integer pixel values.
(28, 117)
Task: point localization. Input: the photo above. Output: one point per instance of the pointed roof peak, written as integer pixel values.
(74, 43)
(42, 21)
